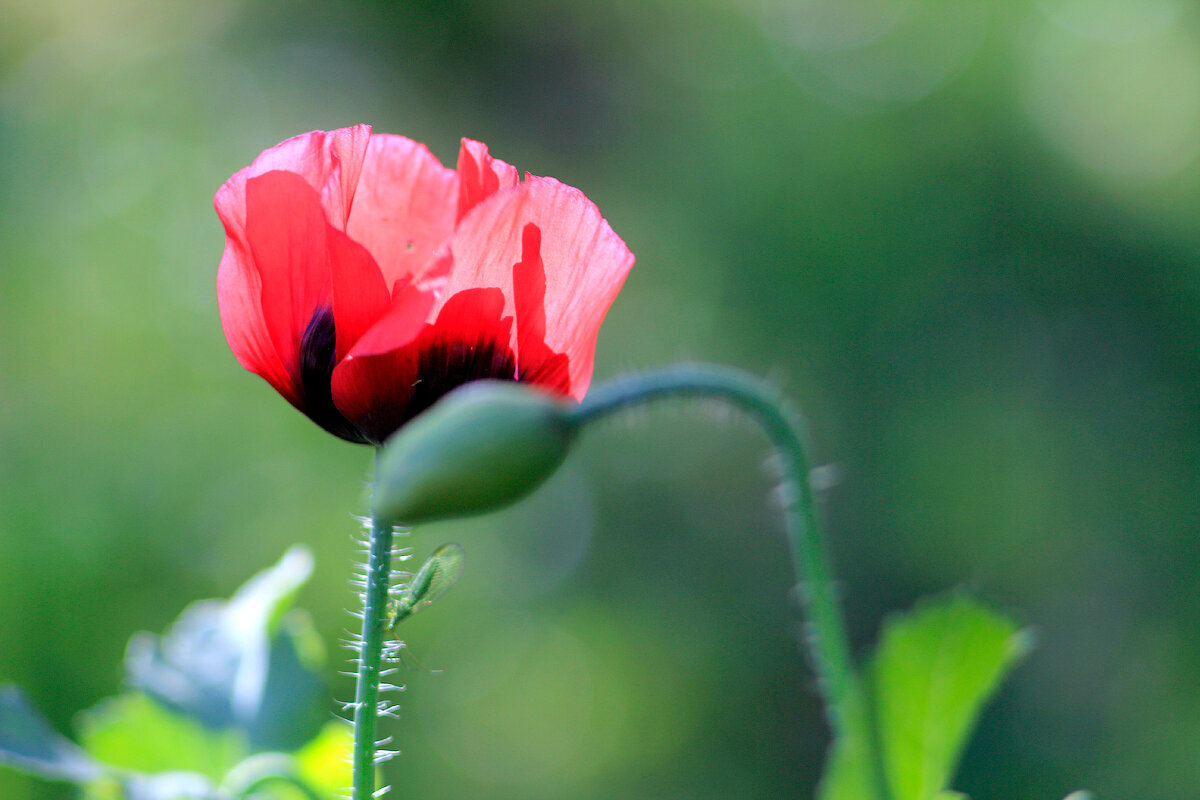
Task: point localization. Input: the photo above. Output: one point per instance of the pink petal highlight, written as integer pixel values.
(286, 230)
(404, 209)
(330, 162)
(480, 176)
(239, 293)
(360, 297)
(584, 262)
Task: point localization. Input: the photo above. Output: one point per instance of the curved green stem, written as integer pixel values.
(370, 651)
(845, 698)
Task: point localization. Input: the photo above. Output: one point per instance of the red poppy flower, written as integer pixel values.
(364, 280)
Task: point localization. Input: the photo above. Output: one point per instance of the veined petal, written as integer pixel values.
(287, 234)
(536, 363)
(584, 263)
(329, 161)
(360, 296)
(404, 208)
(480, 176)
(239, 293)
(328, 165)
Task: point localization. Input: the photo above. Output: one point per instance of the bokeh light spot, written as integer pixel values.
(831, 24)
(1127, 110)
(1112, 20)
(928, 44)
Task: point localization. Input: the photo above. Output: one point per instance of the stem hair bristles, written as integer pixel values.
(785, 495)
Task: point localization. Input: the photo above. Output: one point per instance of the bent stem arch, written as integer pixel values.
(841, 687)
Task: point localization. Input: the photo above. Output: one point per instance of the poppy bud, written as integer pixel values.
(482, 447)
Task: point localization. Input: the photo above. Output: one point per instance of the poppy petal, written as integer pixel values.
(360, 296)
(372, 392)
(286, 230)
(239, 293)
(480, 176)
(584, 262)
(473, 314)
(468, 342)
(537, 363)
(404, 317)
(330, 162)
(404, 208)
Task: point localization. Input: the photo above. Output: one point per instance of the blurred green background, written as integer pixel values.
(962, 234)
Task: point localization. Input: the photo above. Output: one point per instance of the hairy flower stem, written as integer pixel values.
(842, 688)
(366, 695)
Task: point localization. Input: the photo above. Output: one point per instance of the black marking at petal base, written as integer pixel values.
(318, 357)
(446, 365)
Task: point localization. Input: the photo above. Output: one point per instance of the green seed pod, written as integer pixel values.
(483, 446)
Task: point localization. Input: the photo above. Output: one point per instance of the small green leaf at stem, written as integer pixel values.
(933, 670)
(435, 577)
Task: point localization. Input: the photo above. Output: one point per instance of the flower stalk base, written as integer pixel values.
(370, 658)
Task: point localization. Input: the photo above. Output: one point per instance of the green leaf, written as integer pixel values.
(249, 663)
(135, 733)
(295, 698)
(934, 669)
(324, 763)
(30, 744)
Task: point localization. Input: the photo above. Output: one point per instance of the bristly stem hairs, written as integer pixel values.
(375, 592)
